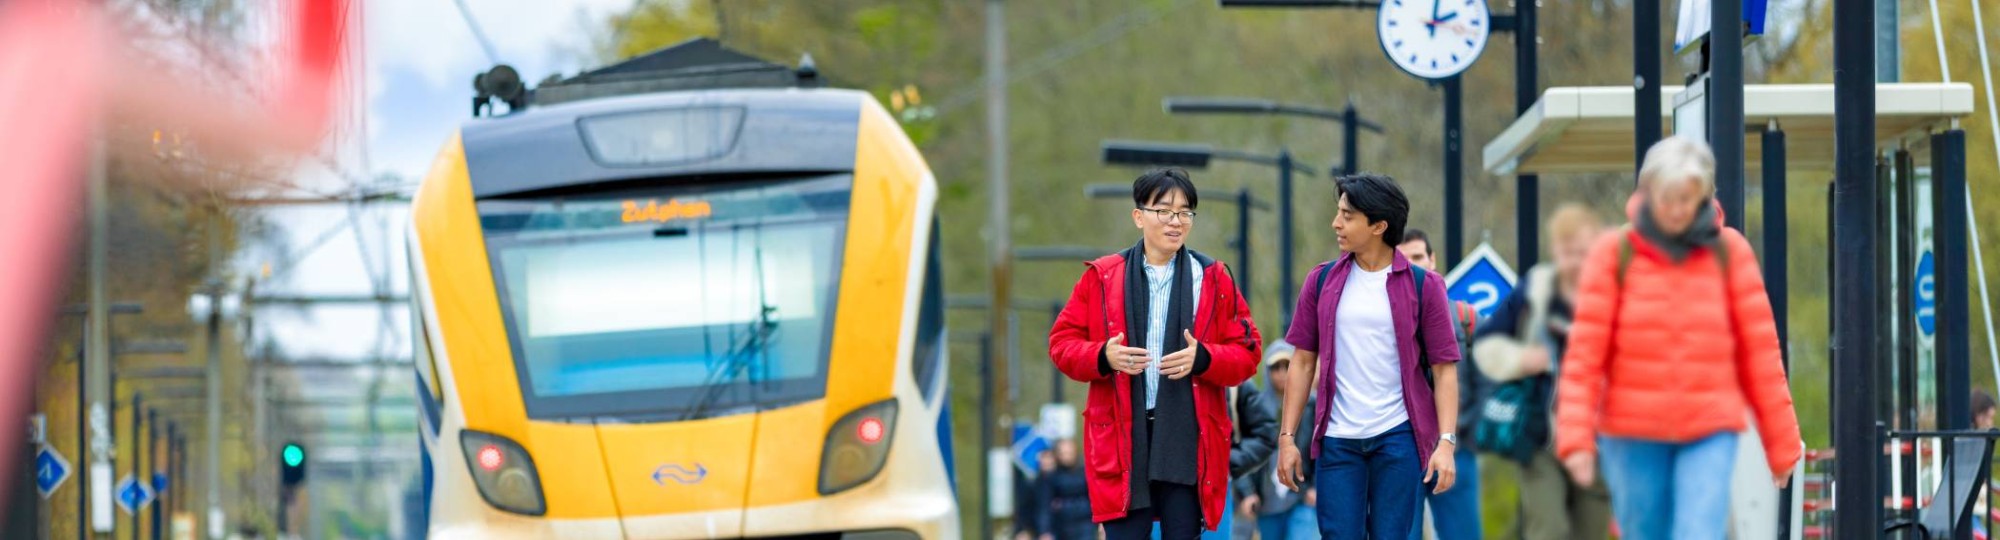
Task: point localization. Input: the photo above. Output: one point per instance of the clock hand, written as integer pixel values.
(1432, 26)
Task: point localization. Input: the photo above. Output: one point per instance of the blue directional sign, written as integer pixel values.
(132, 495)
(160, 484)
(50, 471)
(1483, 279)
(1925, 282)
(1028, 448)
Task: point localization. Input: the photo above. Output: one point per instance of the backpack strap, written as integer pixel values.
(1720, 248)
(1417, 276)
(1624, 253)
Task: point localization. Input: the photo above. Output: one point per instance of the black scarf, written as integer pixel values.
(1702, 233)
(1169, 452)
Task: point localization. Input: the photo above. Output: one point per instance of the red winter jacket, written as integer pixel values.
(1095, 313)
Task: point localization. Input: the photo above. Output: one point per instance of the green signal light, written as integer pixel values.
(294, 455)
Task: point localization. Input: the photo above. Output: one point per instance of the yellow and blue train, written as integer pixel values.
(692, 313)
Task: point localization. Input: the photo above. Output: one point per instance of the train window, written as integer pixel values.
(659, 137)
(928, 356)
(733, 309)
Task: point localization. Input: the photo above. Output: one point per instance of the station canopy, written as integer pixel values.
(1589, 129)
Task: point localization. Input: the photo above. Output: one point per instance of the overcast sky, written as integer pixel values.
(420, 60)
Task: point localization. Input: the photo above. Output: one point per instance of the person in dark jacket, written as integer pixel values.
(1281, 513)
(1520, 347)
(1066, 514)
(1454, 513)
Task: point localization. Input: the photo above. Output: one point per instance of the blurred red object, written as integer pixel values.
(62, 74)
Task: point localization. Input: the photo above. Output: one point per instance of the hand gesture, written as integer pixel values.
(1443, 468)
(1288, 466)
(1179, 364)
(1582, 468)
(1534, 360)
(1127, 360)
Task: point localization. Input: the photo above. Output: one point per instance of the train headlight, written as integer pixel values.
(857, 447)
(504, 473)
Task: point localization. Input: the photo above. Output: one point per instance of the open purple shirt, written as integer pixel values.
(1313, 331)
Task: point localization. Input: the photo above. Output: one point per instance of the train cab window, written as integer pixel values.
(687, 300)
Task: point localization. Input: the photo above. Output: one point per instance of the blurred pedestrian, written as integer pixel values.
(1065, 492)
(1154, 396)
(1517, 349)
(1380, 331)
(1672, 343)
(1280, 512)
(1455, 512)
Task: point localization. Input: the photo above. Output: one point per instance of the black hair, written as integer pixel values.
(1981, 402)
(1377, 197)
(1417, 235)
(1157, 183)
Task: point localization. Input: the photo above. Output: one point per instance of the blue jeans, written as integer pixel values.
(1666, 490)
(1454, 513)
(1369, 488)
(1299, 523)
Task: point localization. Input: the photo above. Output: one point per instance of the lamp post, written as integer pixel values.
(1197, 156)
(1351, 122)
(214, 304)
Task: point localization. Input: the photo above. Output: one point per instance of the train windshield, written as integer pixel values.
(670, 303)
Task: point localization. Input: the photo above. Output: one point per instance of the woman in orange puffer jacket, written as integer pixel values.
(1672, 344)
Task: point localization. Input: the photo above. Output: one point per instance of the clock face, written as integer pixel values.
(1433, 39)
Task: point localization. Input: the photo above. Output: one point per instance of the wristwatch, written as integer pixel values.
(1449, 437)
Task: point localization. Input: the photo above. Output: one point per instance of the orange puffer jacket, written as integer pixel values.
(1674, 353)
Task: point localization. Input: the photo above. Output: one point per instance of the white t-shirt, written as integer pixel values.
(1368, 383)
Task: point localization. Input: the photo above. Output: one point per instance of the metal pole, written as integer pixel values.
(1776, 284)
(98, 383)
(1350, 140)
(1645, 79)
(1854, 305)
(1953, 290)
(1725, 105)
(1055, 375)
(996, 167)
(1243, 259)
(1527, 187)
(1904, 188)
(1286, 282)
(986, 433)
(1888, 53)
(174, 476)
(1454, 172)
(153, 466)
(83, 430)
(213, 427)
(138, 457)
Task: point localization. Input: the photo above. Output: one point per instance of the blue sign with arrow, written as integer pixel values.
(1925, 282)
(50, 471)
(1027, 449)
(132, 495)
(160, 484)
(1483, 279)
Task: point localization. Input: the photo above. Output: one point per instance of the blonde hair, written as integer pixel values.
(1570, 219)
(1678, 159)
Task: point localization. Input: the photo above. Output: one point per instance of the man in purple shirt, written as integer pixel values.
(1388, 360)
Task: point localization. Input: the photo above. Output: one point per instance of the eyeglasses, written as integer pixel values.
(1167, 216)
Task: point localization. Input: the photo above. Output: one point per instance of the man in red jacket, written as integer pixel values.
(1159, 331)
